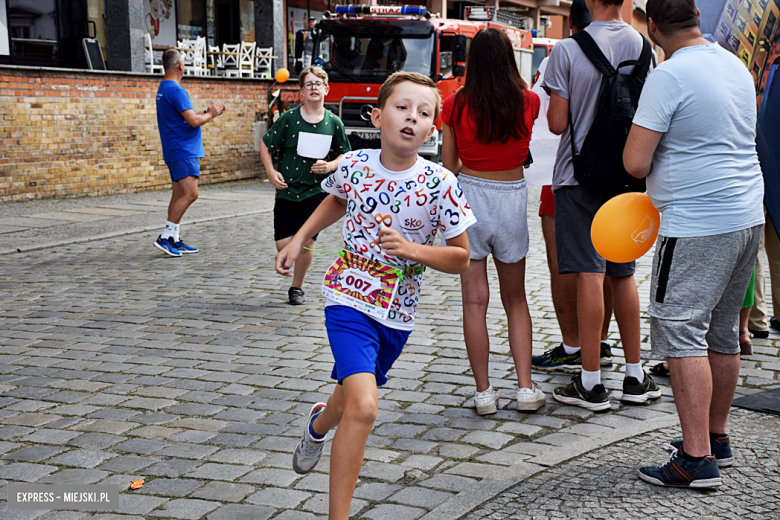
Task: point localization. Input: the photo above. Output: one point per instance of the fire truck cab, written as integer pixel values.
(360, 46)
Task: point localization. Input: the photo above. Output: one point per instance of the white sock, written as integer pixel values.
(635, 370)
(176, 232)
(170, 230)
(490, 389)
(590, 379)
(570, 350)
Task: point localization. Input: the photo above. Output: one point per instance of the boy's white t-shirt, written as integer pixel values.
(418, 203)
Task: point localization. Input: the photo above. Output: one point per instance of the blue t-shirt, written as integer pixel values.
(706, 179)
(179, 139)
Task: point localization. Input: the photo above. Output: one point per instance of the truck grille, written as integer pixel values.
(351, 113)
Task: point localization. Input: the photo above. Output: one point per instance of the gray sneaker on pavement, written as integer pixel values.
(309, 450)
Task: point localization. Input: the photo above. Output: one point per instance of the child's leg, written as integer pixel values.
(349, 444)
(476, 296)
(302, 265)
(331, 415)
(511, 280)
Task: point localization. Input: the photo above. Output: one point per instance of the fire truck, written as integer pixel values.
(360, 46)
(542, 48)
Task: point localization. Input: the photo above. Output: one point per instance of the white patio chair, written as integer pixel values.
(246, 61)
(231, 60)
(216, 61)
(263, 62)
(151, 67)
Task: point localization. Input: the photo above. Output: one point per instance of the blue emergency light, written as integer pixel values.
(381, 9)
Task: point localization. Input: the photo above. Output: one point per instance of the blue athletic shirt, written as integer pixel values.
(179, 139)
(706, 179)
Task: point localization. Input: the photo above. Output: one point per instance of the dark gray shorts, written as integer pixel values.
(575, 208)
(696, 292)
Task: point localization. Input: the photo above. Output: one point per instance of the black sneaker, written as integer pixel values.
(720, 447)
(296, 296)
(636, 392)
(575, 394)
(605, 356)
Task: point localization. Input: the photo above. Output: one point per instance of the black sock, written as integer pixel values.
(716, 436)
(692, 459)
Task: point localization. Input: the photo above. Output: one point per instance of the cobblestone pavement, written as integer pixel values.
(603, 484)
(30, 225)
(117, 362)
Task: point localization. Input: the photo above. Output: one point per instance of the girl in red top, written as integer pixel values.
(487, 129)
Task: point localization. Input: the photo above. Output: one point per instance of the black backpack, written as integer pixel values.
(599, 165)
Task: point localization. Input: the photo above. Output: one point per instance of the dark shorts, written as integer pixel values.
(360, 344)
(547, 202)
(290, 216)
(184, 168)
(575, 208)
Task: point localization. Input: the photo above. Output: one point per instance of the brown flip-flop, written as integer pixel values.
(745, 347)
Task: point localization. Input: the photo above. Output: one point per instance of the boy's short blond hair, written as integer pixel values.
(317, 71)
(387, 88)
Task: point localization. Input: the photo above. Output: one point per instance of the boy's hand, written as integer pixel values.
(286, 258)
(394, 244)
(277, 179)
(320, 167)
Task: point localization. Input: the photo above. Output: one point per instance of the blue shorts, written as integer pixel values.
(361, 344)
(184, 168)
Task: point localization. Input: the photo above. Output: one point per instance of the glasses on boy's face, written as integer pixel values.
(311, 86)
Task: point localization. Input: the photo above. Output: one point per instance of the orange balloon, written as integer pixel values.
(625, 227)
(282, 75)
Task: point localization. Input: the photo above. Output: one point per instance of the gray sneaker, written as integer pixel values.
(309, 450)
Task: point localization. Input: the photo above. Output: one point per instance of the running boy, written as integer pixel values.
(307, 136)
(395, 204)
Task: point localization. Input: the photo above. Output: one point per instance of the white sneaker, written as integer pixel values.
(530, 399)
(487, 402)
(309, 450)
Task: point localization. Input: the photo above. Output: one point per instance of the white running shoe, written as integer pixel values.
(309, 450)
(530, 399)
(487, 402)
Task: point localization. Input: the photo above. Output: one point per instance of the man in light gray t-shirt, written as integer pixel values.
(574, 84)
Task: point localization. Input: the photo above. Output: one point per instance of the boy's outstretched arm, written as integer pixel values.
(452, 258)
(328, 212)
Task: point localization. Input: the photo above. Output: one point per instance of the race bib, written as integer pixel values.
(363, 284)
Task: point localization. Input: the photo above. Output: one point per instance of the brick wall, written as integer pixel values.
(79, 133)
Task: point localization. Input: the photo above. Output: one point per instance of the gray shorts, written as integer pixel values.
(696, 292)
(575, 208)
(502, 221)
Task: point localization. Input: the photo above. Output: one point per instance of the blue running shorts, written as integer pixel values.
(360, 344)
(184, 168)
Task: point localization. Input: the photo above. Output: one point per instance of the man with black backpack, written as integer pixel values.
(595, 79)
(694, 140)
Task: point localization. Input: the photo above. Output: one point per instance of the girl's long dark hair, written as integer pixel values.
(493, 89)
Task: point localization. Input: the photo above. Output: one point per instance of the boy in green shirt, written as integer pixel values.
(311, 140)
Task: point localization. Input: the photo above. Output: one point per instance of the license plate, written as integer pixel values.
(366, 135)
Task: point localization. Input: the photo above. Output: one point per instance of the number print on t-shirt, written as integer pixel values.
(419, 203)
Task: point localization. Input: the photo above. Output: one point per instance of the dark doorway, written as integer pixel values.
(228, 22)
(48, 32)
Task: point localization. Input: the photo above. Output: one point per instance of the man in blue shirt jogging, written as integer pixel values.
(182, 146)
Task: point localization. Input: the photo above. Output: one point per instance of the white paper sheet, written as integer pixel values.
(544, 144)
(314, 146)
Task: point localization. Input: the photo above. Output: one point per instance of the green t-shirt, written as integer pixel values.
(296, 170)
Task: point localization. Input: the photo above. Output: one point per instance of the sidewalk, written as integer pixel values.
(117, 362)
(41, 224)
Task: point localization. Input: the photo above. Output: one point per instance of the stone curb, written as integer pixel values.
(504, 478)
(121, 233)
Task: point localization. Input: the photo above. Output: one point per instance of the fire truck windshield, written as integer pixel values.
(370, 53)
